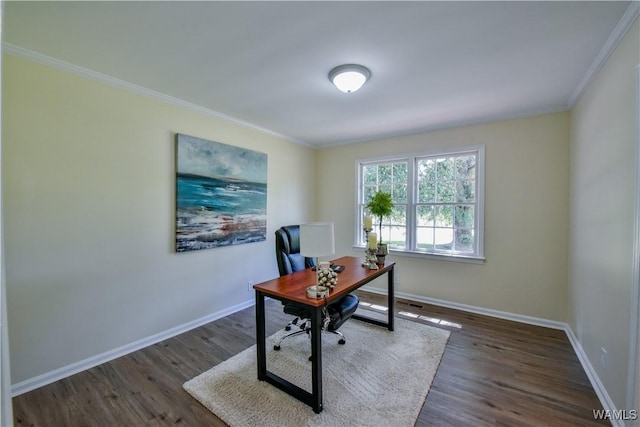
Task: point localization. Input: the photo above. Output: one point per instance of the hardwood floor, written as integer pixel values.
(493, 372)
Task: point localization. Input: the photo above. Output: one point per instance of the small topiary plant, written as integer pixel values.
(381, 206)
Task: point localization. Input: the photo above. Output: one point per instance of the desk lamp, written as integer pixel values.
(316, 240)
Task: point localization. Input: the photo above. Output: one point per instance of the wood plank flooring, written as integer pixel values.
(493, 373)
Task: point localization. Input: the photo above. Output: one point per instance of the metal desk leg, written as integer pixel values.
(390, 297)
(260, 337)
(316, 359)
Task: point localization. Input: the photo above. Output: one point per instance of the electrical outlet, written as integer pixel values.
(603, 358)
(249, 285)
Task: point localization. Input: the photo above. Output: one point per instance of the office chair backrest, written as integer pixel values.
(288, 250)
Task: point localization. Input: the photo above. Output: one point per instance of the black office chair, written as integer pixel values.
(289, 261)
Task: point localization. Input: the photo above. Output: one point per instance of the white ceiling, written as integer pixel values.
(265, 64)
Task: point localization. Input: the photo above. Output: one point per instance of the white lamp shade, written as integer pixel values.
(316, 239)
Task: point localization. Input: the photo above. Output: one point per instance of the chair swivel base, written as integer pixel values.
(341, 341)
(303, 330)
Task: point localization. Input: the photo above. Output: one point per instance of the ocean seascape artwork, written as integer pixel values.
(221, 194)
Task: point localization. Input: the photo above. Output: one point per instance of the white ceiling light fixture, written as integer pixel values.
(349, 77)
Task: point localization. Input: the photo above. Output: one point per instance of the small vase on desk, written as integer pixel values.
(382, 252)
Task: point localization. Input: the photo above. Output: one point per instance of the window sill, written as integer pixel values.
(424, 255)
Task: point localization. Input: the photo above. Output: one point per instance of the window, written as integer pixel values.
(438, 202)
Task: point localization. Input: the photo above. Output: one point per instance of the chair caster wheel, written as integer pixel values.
(310, 358)
(342, 341)
(276, 347)
(287, 328)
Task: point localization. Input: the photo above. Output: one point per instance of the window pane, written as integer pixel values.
(399, 194)
(465, 191)
(445, 168)
(370, 175)
(464, 216)
(464, 241)
(465, 167)
(426, 192)
(394, 227)
(361, 233)
(427, 170)
(444, 216)
(445, 191)
(393, 235)
(398, 237)
(424, 238)
(368, 193)
(444, 238)
(400, 172)
(398, 215)
(386, 233)
(425, 216)
(385, 188)
(384, 174)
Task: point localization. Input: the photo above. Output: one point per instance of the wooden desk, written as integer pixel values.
(293, 288)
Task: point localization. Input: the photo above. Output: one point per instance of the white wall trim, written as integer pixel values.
(616, 36)
(6, 409)
(634, 327)
(537, 321)
(83, 365)
(598, 387)
(140, 90)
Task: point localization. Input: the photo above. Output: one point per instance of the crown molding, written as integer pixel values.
(122, 84)
(625, 23)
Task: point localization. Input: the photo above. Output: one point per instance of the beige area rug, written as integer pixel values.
(378, 378)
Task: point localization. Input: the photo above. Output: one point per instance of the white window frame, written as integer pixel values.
(411, 159)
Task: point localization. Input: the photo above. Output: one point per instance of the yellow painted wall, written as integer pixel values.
(603, 191)
(526, 214)
(89, 210)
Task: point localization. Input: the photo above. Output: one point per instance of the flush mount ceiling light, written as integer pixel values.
(350, 77)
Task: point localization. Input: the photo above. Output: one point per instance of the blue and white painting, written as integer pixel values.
(221, 194)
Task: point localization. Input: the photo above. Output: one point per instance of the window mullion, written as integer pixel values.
(411, 204)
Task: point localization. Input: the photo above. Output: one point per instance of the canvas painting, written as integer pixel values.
(221, 194)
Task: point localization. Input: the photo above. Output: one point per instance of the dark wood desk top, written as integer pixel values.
(293, 287)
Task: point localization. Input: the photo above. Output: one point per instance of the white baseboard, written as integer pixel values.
(473, 309)
(83, 365)
(598, 387)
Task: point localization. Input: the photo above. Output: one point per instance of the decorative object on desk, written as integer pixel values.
(381, 252)
(390, 374)
(326, 276)
(368, 223)
(368, 227)
(317, 292)
(372, 248)
(381, 205)
(221, 194)
(316, 240)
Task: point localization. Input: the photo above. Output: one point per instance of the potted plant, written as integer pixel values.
(381, 206)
